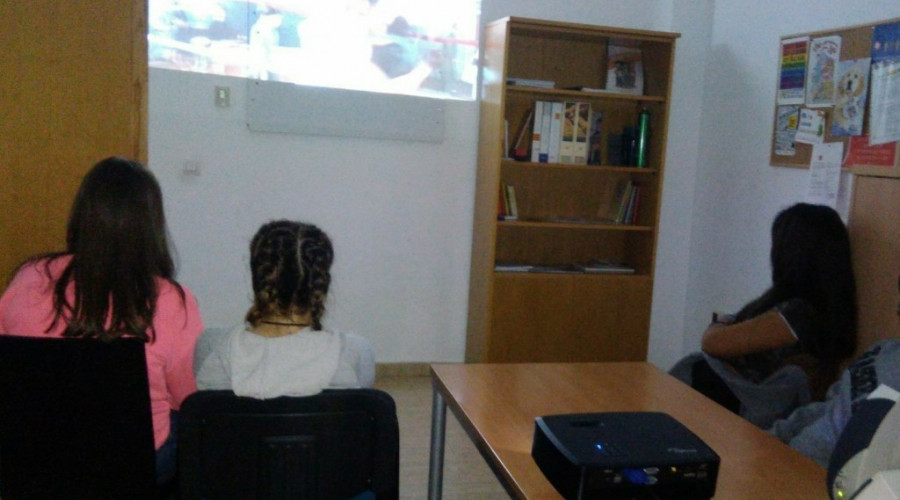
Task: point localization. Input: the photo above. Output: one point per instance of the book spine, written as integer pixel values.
(637, 204)
(547, 117)
(582, 124)
(513, 205)
(536, 131)
(568, 132)
(555, 131)
(623, 202)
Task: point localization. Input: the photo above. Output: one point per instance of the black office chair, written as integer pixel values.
(331, 446)
(75, 420)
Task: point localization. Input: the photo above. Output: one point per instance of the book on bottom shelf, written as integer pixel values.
(597, 266)
(626, 203)
(508, 208)
(606, 266)
(512, 267)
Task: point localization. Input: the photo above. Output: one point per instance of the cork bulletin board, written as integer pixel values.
(798, 97)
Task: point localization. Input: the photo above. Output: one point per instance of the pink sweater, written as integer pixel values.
(26, 309)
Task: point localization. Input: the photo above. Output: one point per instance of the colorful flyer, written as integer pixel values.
(811, 128)
(824, 54)
(792, 71)
(850, 97)
(786, 121)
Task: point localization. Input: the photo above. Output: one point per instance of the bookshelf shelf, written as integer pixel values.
(586, 225)
(562, 207)
(507, 163)
(538, 92)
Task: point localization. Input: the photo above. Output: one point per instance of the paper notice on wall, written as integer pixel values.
(884, 92)
(811, 128)
(884, 103)
(825, 173)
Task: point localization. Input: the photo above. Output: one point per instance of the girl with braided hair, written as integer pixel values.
(282, 349)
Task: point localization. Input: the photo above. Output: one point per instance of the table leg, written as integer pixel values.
(438, 429)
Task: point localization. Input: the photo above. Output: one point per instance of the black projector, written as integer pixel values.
(623, 456)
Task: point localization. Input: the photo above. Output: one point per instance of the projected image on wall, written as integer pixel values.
(415, 47)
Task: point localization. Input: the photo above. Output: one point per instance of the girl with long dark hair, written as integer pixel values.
(808, 316)
(115, 279)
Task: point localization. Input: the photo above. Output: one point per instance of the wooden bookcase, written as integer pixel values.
(530, 316)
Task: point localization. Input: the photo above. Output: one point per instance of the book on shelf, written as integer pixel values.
(530, 82)
(567, 141)
(582, 88)
(559, 269)
(595, 139)
(507, 208)
(512, 267)
(536, 131)
(599, 266)
(606, 266)
(556, 118)
(546, 123)
(625, 70)
(582, 127)
(506, 150)
(625, 203)
(575, 131)
(513, 213)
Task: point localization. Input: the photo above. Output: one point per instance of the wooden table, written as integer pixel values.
(497, 404)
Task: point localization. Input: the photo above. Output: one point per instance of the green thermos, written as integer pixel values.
(643, 137)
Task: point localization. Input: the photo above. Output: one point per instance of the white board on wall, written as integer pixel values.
(294, 109)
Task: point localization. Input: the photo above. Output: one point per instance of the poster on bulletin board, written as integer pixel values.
(840, 85)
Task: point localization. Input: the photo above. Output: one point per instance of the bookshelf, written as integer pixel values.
(565, 211)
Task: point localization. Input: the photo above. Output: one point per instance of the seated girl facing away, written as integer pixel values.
(116, 279)
(282, 349)
(787, 345)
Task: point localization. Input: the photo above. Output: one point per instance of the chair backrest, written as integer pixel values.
(334, 445)
(75, 419)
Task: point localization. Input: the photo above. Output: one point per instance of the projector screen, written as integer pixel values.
(424, 48)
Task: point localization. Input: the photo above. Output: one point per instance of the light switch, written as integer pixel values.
(223, 97)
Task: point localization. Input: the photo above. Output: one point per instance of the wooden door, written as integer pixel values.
(875, 235)
(73, 91)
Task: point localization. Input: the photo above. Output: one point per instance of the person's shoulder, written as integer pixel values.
(353, 340)
(171, 293)
(41, 268)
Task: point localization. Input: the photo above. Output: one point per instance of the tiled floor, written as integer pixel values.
(466, 475)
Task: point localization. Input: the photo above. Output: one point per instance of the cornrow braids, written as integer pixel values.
(290, 263)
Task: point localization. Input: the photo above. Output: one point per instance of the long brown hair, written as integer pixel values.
(116, 237)
(811, 259)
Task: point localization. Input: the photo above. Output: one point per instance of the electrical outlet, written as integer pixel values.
(223, 97)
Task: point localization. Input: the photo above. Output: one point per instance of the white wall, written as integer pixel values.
(400, 213)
